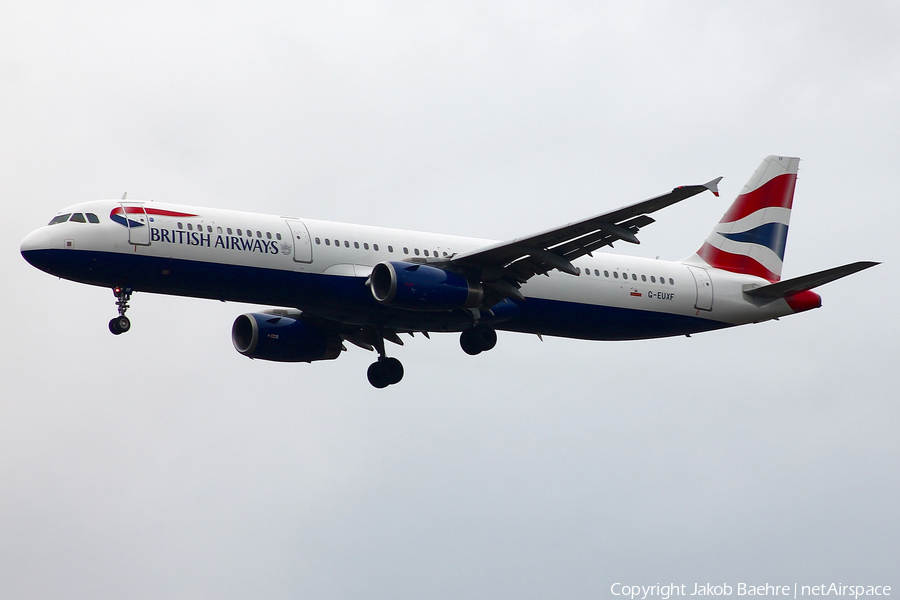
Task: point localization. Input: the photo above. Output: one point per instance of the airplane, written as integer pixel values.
(332, 283)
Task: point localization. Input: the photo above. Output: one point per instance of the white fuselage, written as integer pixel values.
(321, 267)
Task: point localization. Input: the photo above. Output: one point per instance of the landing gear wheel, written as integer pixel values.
(478, 339)
(377, 376)
(392, 369)
(385, 372)
(469, 343)
(487, 337)
(119, 325)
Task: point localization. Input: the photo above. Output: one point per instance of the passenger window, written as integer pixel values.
(416, 250)
(259, 234)
(605, 273)
(92, 218)
(652, 279)
(60, 219)
(365, 245)
(346, 244)
(435, 253)
(426, 252)
(671, 281)
(278, 236)
(375, 247)
(643, 278)
(268, 235)
(356, 245)
(634, 276)
(218, 230)
(249, 233)
(239, 232)
(405, 250)
(662, 280)
(190, 227)
(327, 242)
(616, 274)
(78, 218)
(318, 241)
(180, 227)
(578, 270)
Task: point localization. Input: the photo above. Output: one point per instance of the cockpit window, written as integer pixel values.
(60, 219)
(92, 218)
(78, 218)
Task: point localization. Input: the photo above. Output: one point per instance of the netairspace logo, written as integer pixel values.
(671, 590)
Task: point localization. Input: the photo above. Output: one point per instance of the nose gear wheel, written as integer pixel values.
(121, 324)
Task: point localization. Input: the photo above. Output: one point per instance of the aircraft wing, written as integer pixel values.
(505, 266)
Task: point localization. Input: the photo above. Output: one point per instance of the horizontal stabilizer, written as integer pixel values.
(807, 282)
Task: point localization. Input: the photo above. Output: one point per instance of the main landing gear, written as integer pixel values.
(386, 370)
(121, 324)
(478, 339)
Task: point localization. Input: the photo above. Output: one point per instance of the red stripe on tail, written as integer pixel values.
(777, 192)
(736, 263)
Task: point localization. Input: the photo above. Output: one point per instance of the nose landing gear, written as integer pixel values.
(121, 324)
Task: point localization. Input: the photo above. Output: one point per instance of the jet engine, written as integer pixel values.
(422, 287)
(283, 339)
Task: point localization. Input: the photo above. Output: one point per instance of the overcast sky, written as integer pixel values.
(163, 464)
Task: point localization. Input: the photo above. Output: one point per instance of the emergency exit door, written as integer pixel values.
(302, 244)
(137, 222)
(704, 288)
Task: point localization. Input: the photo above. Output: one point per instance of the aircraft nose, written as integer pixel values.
(33, 244)
(36, 240)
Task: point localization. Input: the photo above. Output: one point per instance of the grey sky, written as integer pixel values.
(164, 464)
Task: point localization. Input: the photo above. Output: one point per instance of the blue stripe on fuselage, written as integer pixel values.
(348, 299)
(597, 322)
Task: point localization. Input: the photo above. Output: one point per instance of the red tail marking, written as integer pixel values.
(777, 192)
(736, 263)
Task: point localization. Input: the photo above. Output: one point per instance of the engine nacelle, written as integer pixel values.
(421, 287)
(283, 339)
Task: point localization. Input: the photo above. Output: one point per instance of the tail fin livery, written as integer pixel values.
(752, 235)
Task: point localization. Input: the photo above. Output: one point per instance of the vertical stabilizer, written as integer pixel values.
(752, 235)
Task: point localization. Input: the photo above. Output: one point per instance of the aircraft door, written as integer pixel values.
(704, 288)
(138, 223)
(302, 243)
